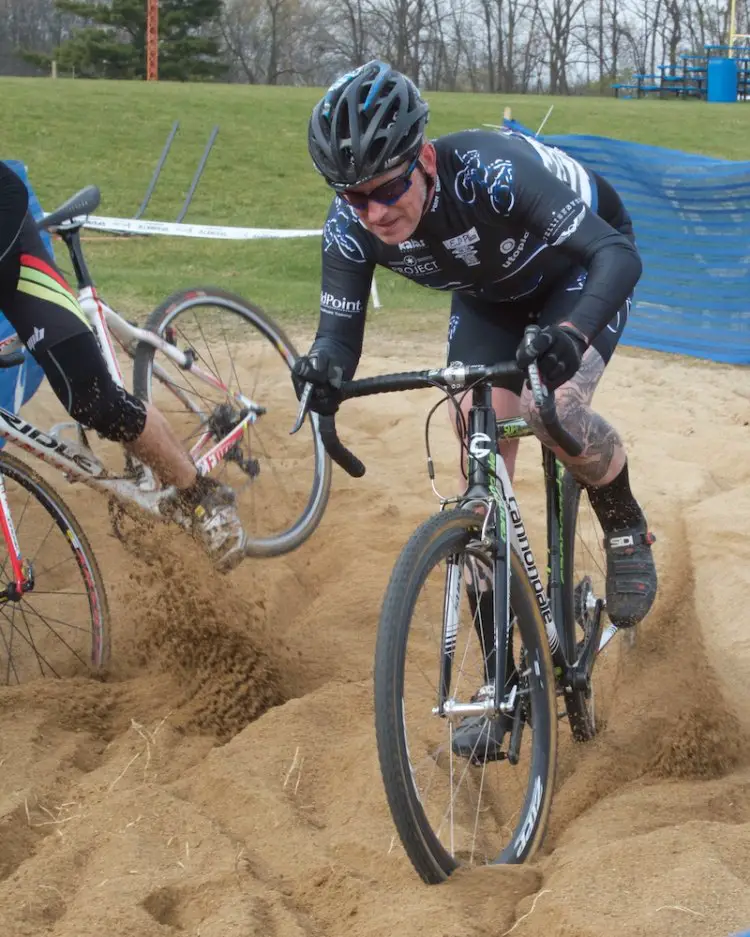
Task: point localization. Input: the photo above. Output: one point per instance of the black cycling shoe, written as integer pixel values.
(478, 738)
(631, 575)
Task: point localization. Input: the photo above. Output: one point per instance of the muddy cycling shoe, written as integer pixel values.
(478, 738)
(631, 575)
(210, 508)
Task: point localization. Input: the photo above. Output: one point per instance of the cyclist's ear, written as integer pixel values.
(428, 158)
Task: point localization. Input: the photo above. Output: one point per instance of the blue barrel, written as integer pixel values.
(722, 80)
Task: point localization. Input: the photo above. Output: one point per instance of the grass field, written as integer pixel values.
(73, 133)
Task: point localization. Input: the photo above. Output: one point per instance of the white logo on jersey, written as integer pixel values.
(36, 337)
(339, 306)
(564, 167)
(508, 262)
(412, 266)
(336, 233)
(571, 229)
(461, 247)
(496, 177)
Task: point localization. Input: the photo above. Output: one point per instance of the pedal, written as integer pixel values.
(486, 758)
(80, 443)
(584, 603)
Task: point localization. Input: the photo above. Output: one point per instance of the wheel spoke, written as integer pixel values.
(454, 796)
(280, 482)
(52, 630)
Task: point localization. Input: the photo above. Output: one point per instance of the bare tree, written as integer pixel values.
(28, 26)
(259, 36)
(244, 34)
(500, 46)
(558, 19)
(349, 20)
(601, 42)
(671, 28)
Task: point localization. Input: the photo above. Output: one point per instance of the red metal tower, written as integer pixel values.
(152, 40)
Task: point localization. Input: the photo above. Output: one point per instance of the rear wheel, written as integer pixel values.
(584, 590)
(448, 809)
(281, 481)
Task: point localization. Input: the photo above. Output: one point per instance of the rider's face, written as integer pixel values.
(397, 222)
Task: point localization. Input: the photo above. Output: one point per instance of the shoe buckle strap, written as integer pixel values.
(623, 541)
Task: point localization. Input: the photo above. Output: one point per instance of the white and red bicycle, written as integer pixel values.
(218, 368)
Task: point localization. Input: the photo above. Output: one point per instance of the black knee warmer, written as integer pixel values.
(78, 375)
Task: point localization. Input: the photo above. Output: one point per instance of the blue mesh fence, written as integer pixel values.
(17, 385)
(692, 221)
(691, 215)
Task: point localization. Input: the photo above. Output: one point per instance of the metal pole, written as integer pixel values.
(152, 40)
(197, 176)
(157, 171)
(546, 118)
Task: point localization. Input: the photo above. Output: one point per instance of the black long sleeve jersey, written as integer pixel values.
(509, 219)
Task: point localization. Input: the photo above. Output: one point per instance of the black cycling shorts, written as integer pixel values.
(48, 319)
(488, 333)
(34, 296)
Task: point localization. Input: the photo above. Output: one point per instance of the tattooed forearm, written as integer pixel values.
(603, 453)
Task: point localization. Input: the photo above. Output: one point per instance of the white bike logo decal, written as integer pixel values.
(496, 177)
(336, 234)
(479, 445)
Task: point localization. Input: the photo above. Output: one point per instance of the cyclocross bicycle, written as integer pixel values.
(231, 412)
(468, 760)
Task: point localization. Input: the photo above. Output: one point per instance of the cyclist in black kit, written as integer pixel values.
(45, 313)
(516, 232)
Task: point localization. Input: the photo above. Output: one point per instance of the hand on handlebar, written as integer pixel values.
(544, 396)
(557, 351)
(324, 378)
(317, 382)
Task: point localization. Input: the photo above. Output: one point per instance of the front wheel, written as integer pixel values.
(452, 807)
(242, 361)
(58, 624)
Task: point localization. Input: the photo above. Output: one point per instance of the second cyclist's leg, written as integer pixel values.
(602, 469)
(48, 319)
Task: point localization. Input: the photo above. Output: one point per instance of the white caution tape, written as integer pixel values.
(174, 228)
(140, 226)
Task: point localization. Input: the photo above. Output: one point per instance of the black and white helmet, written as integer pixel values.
(369, 121)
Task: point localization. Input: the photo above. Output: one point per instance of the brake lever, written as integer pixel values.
(302, 412)
(545, 402)
(538, 390)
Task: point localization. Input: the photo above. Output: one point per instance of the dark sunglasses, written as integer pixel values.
(386, 194)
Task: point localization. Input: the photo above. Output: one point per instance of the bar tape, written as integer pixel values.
(140, 226)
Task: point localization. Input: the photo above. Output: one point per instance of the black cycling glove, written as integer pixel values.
(325, 376)
(557, 350)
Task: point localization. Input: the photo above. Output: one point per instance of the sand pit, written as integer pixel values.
(223, 781)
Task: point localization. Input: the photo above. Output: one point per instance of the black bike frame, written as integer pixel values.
(482, 486)
(574, 673)
(484, 427)
(484, 434)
